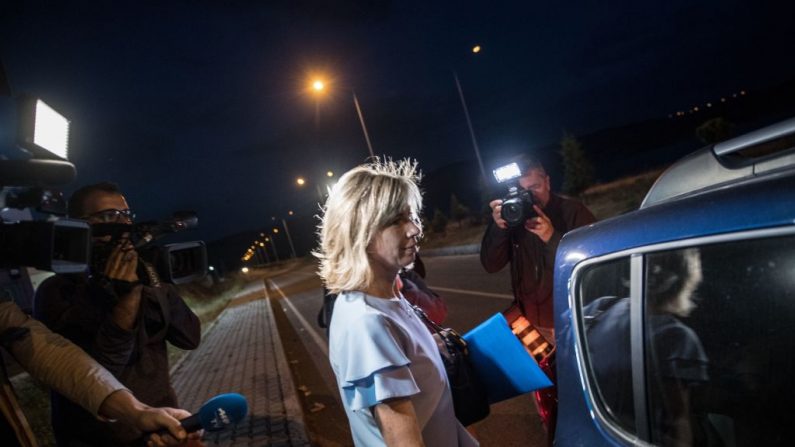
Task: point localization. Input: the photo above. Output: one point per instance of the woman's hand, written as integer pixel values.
(397, 421)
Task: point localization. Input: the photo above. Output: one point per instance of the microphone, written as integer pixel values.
(217, 413)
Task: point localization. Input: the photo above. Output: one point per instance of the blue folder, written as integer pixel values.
(502, 362)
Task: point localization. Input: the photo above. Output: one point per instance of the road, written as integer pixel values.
(471, 296)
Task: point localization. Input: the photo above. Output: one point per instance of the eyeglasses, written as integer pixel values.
(111, 216)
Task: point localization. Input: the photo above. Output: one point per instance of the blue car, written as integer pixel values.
(677, 321)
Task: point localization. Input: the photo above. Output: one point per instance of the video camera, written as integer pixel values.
(62, 246)
(65, 245)
(176, 263)
(517, 206)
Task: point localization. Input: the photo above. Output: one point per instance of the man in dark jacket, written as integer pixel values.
(530, 248)
(120, 314)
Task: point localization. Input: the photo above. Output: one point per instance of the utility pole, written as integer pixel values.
(471, 130)
(364, 128)
(289, 239)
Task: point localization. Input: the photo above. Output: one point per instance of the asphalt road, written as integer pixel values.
(472, 296)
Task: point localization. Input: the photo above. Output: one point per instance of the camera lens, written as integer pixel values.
(512, 212)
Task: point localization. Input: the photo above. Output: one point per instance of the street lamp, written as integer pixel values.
(476, 49)
(318, 186)
(318, 87)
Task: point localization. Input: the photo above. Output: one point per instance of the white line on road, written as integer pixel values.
(318, 339)
(471, 292)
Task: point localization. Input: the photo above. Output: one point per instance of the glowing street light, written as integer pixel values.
(318, 87)
(244, 270)
(320, 185)
(476, 49)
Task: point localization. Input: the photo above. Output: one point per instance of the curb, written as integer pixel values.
(471, 249)
(292, 405)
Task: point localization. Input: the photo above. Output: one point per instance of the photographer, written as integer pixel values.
(121, 314)
(530, 247)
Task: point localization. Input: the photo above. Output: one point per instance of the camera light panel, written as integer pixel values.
(51, 130)
(507, 172)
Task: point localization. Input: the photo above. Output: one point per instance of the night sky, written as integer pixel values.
(204, 104)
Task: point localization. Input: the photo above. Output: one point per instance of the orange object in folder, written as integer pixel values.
(535, 343)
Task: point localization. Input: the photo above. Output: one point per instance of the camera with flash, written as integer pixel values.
(517, 205)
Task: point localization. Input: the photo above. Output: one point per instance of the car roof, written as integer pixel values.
(754, 154)
(753, 203)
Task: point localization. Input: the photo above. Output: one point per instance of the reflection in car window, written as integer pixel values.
(725, 378)
(719, 325)
(676, 363)
(604, 292)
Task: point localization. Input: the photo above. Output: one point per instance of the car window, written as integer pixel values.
(605, 325)
(676, 364)
(719, 325)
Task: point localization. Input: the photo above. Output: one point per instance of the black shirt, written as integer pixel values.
(532, 260)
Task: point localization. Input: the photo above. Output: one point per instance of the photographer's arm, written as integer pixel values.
(122, 266)
(495, 248)
(541, 226)
(575, 215)
(114, 341)
(184, 327)
(64, 306)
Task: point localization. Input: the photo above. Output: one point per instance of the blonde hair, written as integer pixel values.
(365, 200)
(672, 280)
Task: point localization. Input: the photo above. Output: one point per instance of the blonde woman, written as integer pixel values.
(391, 378)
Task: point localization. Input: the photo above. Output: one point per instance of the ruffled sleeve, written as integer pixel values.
(372, 365)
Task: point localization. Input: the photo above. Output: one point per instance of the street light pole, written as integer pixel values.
(318, 86)
(289, 239)
(471, 130)
(364, 128)
(263, 253)
(273, 246)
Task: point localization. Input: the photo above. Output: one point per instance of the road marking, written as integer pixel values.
(292, 406)
(318, 339)
(471, 292)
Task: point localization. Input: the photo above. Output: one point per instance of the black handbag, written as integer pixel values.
(470, 400)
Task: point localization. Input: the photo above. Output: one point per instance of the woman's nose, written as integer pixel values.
(413, 230)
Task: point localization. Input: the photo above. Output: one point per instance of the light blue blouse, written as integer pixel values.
(379, 349)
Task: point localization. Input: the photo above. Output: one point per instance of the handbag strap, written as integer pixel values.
(448, 335)
(424, 317)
